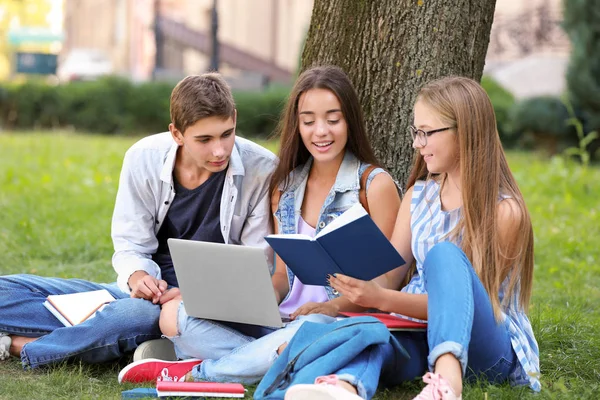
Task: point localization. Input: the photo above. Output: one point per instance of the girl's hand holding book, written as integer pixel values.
(367, 294)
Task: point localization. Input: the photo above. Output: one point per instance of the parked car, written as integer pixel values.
(84, 64)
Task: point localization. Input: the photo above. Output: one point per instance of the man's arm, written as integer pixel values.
(258, 223)
(133, 224)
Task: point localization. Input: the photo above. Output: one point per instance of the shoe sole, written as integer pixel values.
(312, 393)
(163, 349)
(5, 342)
(124, 371)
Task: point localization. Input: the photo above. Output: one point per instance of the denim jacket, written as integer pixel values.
(146, 192)
(343, 195)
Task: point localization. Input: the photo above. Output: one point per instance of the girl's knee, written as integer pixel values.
(443, 257)
(444, 250)
(168, 317)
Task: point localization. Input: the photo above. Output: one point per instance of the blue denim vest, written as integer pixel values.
(342, 196)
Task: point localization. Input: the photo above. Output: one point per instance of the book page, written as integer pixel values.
(352, 214)
(298, 236)
(77, 307)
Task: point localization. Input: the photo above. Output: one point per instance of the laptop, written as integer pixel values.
(225, 282)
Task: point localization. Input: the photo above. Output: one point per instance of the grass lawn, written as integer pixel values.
(56, 200)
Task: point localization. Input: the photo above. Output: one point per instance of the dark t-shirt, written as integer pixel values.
(193, 215)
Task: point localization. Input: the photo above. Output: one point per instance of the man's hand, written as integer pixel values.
(169, 295)
(326, 308)
(367, 294)
(144, 286)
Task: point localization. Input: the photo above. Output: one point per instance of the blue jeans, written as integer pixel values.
(118, 329)
(461, 322)
(232, 352)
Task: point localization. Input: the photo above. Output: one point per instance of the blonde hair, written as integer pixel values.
(485, 175)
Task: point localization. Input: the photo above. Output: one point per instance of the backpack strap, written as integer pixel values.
(362, 192)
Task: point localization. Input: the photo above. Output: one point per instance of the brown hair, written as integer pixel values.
(200, 96)
(292, 152)
(462, 103)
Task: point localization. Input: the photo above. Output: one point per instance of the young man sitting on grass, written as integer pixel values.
(196, 182)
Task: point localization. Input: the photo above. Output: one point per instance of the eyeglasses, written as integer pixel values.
(422, 135)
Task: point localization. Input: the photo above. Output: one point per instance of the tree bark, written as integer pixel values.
(389, 49)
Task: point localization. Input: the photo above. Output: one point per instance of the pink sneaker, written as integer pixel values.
(324, 388)
(437, 389)
(152, 370)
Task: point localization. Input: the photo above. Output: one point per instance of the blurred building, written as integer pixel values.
(528, 51)
(260, 40)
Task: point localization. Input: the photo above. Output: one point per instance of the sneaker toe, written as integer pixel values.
(151, 370)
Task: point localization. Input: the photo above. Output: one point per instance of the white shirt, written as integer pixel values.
(146, 191)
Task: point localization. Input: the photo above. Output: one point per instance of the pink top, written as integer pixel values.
(302, 294)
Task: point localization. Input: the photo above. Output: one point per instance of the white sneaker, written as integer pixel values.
(5, 342)
(324, 388)
(161, 349)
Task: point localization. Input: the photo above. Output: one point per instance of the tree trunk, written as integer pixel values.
(389, 49)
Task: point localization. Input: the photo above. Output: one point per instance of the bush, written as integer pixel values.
(116, 106)
(502, 100)
(101, 106)
(259, 112)
(33, 104)
(542, 122)
(583, 73)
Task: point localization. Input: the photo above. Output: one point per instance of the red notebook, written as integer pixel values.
(199, 389)
(393, 322)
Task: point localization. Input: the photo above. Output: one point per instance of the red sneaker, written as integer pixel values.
(152, 370)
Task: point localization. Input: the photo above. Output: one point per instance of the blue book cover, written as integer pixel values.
(351, 244)
(139, 393)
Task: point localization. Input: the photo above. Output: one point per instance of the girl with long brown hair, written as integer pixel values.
(465, 224)
(324, 154)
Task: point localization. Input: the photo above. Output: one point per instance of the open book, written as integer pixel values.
(199, 389)
(351, 245)
(74, 308)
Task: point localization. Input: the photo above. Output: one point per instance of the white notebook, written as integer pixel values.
(72, 309)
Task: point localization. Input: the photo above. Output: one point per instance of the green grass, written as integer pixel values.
(56, 200)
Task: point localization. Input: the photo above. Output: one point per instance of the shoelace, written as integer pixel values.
(164, 376)
(436, 386)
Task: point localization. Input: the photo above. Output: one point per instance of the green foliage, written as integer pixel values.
(259, 112)
(57, 191)
(502, 101)
(584, 139)
(545, 115)
(583, 74)
(101, 106)
(32, 101)
(542, 123)
(116, 106)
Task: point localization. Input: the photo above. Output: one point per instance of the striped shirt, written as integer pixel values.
(430, 225)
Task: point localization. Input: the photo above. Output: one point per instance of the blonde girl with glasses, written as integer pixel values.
(465, 224)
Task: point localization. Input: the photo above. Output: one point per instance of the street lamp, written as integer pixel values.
(214, 40)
